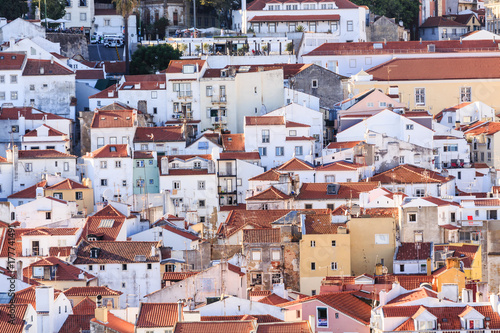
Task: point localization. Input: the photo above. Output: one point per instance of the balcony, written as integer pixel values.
(219, 99)
(184, 94)
(219, 120)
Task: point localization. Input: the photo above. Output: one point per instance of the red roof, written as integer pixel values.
(321, 224)
(177, 276)
(28, 113)
(273, 299)
(260, 4)
(64, 271)
(106, 224)
(92, 291)
(214, 327)
(238, 219)
(259, 318)
(269, 235)
(413, 295)
(488, 128)
(43, 153)
(342, 145)
(52, 132)
(414, 251)
(440, 202)
(116, 324)
(270, 194)
(67, 184)
(300, 138)
(89, 74)
(294, 18)
(465, 252)
(414, 69)
(179, 232)
(36, 67)
(408, 174)
(439, 21)
(408, 282)
(270, 175)
(240, 155)
(76, 322)
(339, 166)
(233, 142)
(175, 66)
(318, 191)
(105, 93)
(264, 121)
(28, 193)
(158, 134)
(11, 60)
(113, 118)
(295, 164)
(113, 252)
(152, 315)
(289, 327)
(109, 151)
(42, 231)
(12, 318)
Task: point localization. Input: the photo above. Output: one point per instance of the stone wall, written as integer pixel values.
(71, 44)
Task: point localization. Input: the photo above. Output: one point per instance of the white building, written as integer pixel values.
(46, 137)
(109, 22)
(112, 127)
(131, 267)
(44, 211)
(169, 235)
(79, 13)
(465, 113)
(168, 140)
(45, 241)
(110, 168)
(5, 178)
(20, 28)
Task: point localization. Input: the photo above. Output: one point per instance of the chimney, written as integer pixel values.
(457, 125)
(39, 192)
(101, 314)
(19, 270)
(44, 295)
(52, 60)
(164, 165)
(429, 268)
(378, 269)
(383, 297)
(452, 263)
(137, 85)
(153, 251)
(466, 295)
(312, 323)
(179, 310)
(42, 70)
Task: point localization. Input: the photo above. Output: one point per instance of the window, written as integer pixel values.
(112, 140)
(381, 239)
(13, 95)
(2, 95)
(275, 278)
(47, 215)
(78, 195)
(139, 183)
(313, 243)
(58, 195)
(201, 203)
(144, 146)
(275, 254)
(256, 278)
(176, 185)
(124, 183)
(2, 78)
(297, 313)
(409, 127)
(66, 166)
(155, 110)
(292, 26)
(352, 63)
(420, 192)
(90, 266)
(104, 182)
(491, 214)
(197, 165)
(334, 26)
(401, 159)
(118, 164)
(154, 95)
(314, 84)
(313, 266)
(83, 16)
(334, 243)
(13, 79)
(419, 96)
(412, 217)
(201, 185)
(292, 132)
(298, 150)
(308, 206)
(265, 136)
(401, 268)
(280, 151)
(209, 91)
(102, 267)
(104, 165)
(272, 27)
(140, 163)
(28, 167)
(83, 3)
(465, 94)
(322, 315)
(256, 255)
(333, 266)
(150, 266)
(124, 267)
(263, 151)
(107, 22)
(350, 26)
(100, 142)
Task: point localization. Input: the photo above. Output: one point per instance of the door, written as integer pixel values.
(229, 185)
(176, 18)
(35, 248)
(228, 168)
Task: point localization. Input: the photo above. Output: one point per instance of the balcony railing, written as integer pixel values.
(184, 94)
(219, 120)
(219, 99)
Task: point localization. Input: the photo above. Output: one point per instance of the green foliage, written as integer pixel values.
(289, 47)
(404, 10)
(55, 8)
(160, 27)
(299, 28)
(12, 9)
(150, 59)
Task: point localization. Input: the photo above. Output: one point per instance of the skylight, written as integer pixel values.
(112, 148)
(106, 223)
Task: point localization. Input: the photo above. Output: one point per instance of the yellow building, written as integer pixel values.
(469, 255)
(449, 274)
(324, 251)
(69, 190)
(373, 236)
(434, 83)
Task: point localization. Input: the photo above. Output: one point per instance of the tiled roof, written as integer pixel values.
(214, 327)
(186, 172)
(92, 291)
(158, 134)
(12, 318)
(484, 202)
(177, 276)
(28, 193)
(113, 118)
(157, 315)
(85, 307)
(28, 113)
(439, 21)
(344, 302)
(251, 155)
(42, 231)
(487, 128)
(318, 191)
(145, 77)
(294, 18)
(64, 270)
(60, 251)
(271, 235)
(273, 299)
(321, 224)
(289, 70)
(7, 240)
(257, 293)
(295, 124)
(75, 323)
(52, 132)
(342, 145)
(233, 142)
(167, 226)
(413, 295)
(143, 155)
(295, 164)
(414, 69)
(264, 121)
(112, 252)
(105, 93)
(109, 232)
(237, 219)
(339, 166)
(28, 296)
(35, 67)
(408, 282)
(270, 194)
(465, 252)
(235, 269)
(409, 174)
(116, 324)
(66, 184)
(175, 66)
(43, 153)
(188, 157)
(11, 61)
(270, 175)
(260, 4)
(299, 138)
(89, 74)
(109, 151)
(260, 318)
(440, 202)
(143, 85)
(414, 251)
(289, 327)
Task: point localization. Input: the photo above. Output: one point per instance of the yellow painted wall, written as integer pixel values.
(69, 195)
(323, 254)
(439, 94)
(452, 275)
(476, 271)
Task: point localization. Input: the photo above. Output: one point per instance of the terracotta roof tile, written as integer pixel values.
(264, 121)
(85, 307)
(318, 191)
(441, 202)
(42, 231)
(300, 138)
(143, 85)
(177, 276)
(295, 164)
(37, 67)
(439, 21)
(175, 66)
(28, 113)
(273, 299)
(12, 320)
(408, 282)
(271, 235)
(413, 295)
(233, 142)
(60, 251)
(113, 119)
(270, 175)
(339, 166)
(66, 184)
(28, 296)
(116, 324)
(143, 155)
(110, 151)
(321, 224)
(465, 252)
(290, 327)
(89, 74)
(11, 60)
(28, 193)
(106, 224)
(157, 315)
(52, 132)
(214, 327)
(185, 234)
(488, 128)
(91, 291)
(64, 270)
(295, 124)
(158, 134)
(260, 318)
(414, 251)
(270, 194)
(407, 174)
(109, 92)
(112, 252)
(257, 293)
(75, 323)
(235, 269)
(237, 219)
(342, 145)
(240, 156)
(43, 153)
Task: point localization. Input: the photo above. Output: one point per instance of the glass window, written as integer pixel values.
(419, 96)
(466, 94)
(265, 136)
(280, 151)
(322, 314)
(298, 150)
(350, 26)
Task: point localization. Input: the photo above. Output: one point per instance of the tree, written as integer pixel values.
(151, 59)
(12, 9)
(55, 8)
(160, 27)
(125, 8)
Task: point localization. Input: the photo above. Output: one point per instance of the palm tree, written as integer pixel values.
(125, 8)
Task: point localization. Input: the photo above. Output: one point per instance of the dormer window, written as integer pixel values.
(94, 252)
(425, 325)
(188, 69)
(112, 149)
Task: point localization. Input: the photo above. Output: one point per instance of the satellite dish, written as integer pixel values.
(107, 194)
